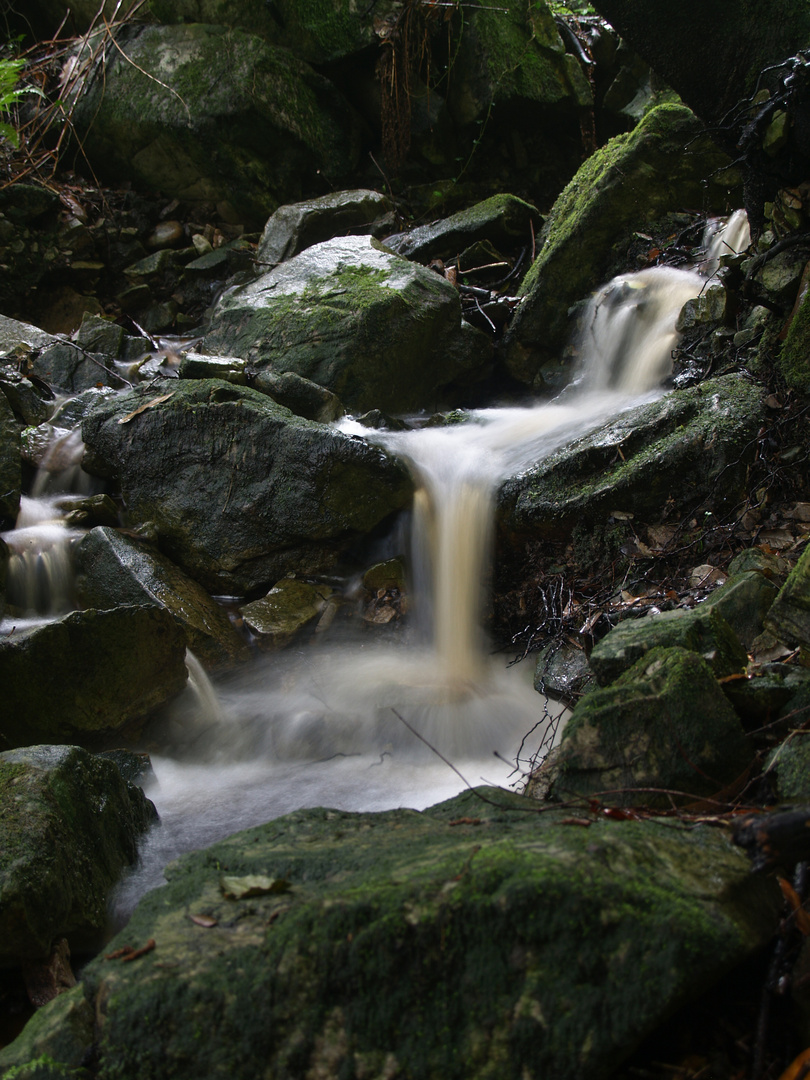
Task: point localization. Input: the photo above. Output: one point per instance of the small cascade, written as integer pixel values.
(724, 238)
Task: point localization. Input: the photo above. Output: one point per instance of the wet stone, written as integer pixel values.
(284, 611)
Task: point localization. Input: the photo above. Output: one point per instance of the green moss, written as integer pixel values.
(794, 358)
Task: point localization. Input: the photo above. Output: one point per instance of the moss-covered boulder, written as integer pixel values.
(744, 601)
(290, 605)
(209, 114)
(788, 768)
(702, 630)
(378, 331)
(794, 357)
(664, 725)
(663, 457)
(503, 220)
(114, 570)
(470, 940)
(10, 464)
(297, 226)
(666, 163)
(237, 490)
(87, 675)
(69, 824)
(788, 619)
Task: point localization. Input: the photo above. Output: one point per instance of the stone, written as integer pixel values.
(503, 220)
(196, 365)
(788, 618)
(114, 570)
(664, 725)
(87, 675)
(511, 944)
(70, 823)
(744, 602)
(709, 307)
(385, 575)
(18, 336)
(290, 606)
(371, 327)
(563, 671)
(299, 395)
(644, 171)
(297, 226)
(237, 489)
(28, 401)
(702, 629)
(788, 769)
(204, 113)
(10, 465)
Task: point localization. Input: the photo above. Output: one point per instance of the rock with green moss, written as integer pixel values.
(663, 725)
(208, 114)
(789, 617)
(54, 1044)
(788, 768)
(794, 357)
(112, 570)
(634, 179)
(702, 630)
(238, 490)
(301, 396)
(297, 226)
(10, 464)
(371, 327)
(744, 602)
(658, 459)
(503, 220)
(471, 940)
(290, 606)
(87, 675)
(69, 824)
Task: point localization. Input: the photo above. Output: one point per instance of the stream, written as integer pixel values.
(369, 727)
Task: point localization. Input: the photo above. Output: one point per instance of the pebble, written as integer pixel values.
(166, 234)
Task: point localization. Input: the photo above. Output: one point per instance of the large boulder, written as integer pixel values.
(114, 570)
(663, 727)
(209, 114)
(69, 824)
(87, 675)
(237, 490)
(376, 330)
(661, 458)
(297, 226)
(667, 162)
(470, 940)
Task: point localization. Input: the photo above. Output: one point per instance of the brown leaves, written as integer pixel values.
(146, 405)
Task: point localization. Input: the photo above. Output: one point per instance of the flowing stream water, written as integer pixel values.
(368, 727)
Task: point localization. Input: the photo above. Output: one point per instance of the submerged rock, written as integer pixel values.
(114, 570)
(88, 674)
(238, 490)
(392, 944)
(376, 330)
(634, 178)
(69, 824)
(664, 725)
(204, 113)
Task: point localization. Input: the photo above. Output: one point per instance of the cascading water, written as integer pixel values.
(358, 728)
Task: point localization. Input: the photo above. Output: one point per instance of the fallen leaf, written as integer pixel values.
(465, 821)
(795, 905)
(136, 953)
(797, 1067)
(203, 920)
(146, 405)
(240, 888)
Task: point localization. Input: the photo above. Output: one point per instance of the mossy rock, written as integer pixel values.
(237, 489)
(112, 570)
(702, 630)
(789, 617)
(69, 824)
(794, 357)
(788, 767)
(744, 601)
(87, 675)
(371, 327)
(667, 456)
(663, 726)
(295, 227)
(667, 162)
(10, 464)
(203, 113)
(469, 941)
(289, 606)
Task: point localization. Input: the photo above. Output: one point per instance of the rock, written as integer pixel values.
(702, 630)
(238, 490)
(503, 220)
(563, 671)
(61, 1033)
(688, 445)
(88, 674)
(788, 768)
(166, 234)
(29, 402)
(299, 395)
(634, 177)
(709, 307)
(771, 691)
(374, 329)
(10, 465)
(295, 227)
(663, 725)
(391, 944)
(788, 618)
(16, 337)
(203, 113)
(289, 606)
(744, 602)
(793, 356)
(70, 823)
(196, 365)
(114, 570)
(385, 575)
